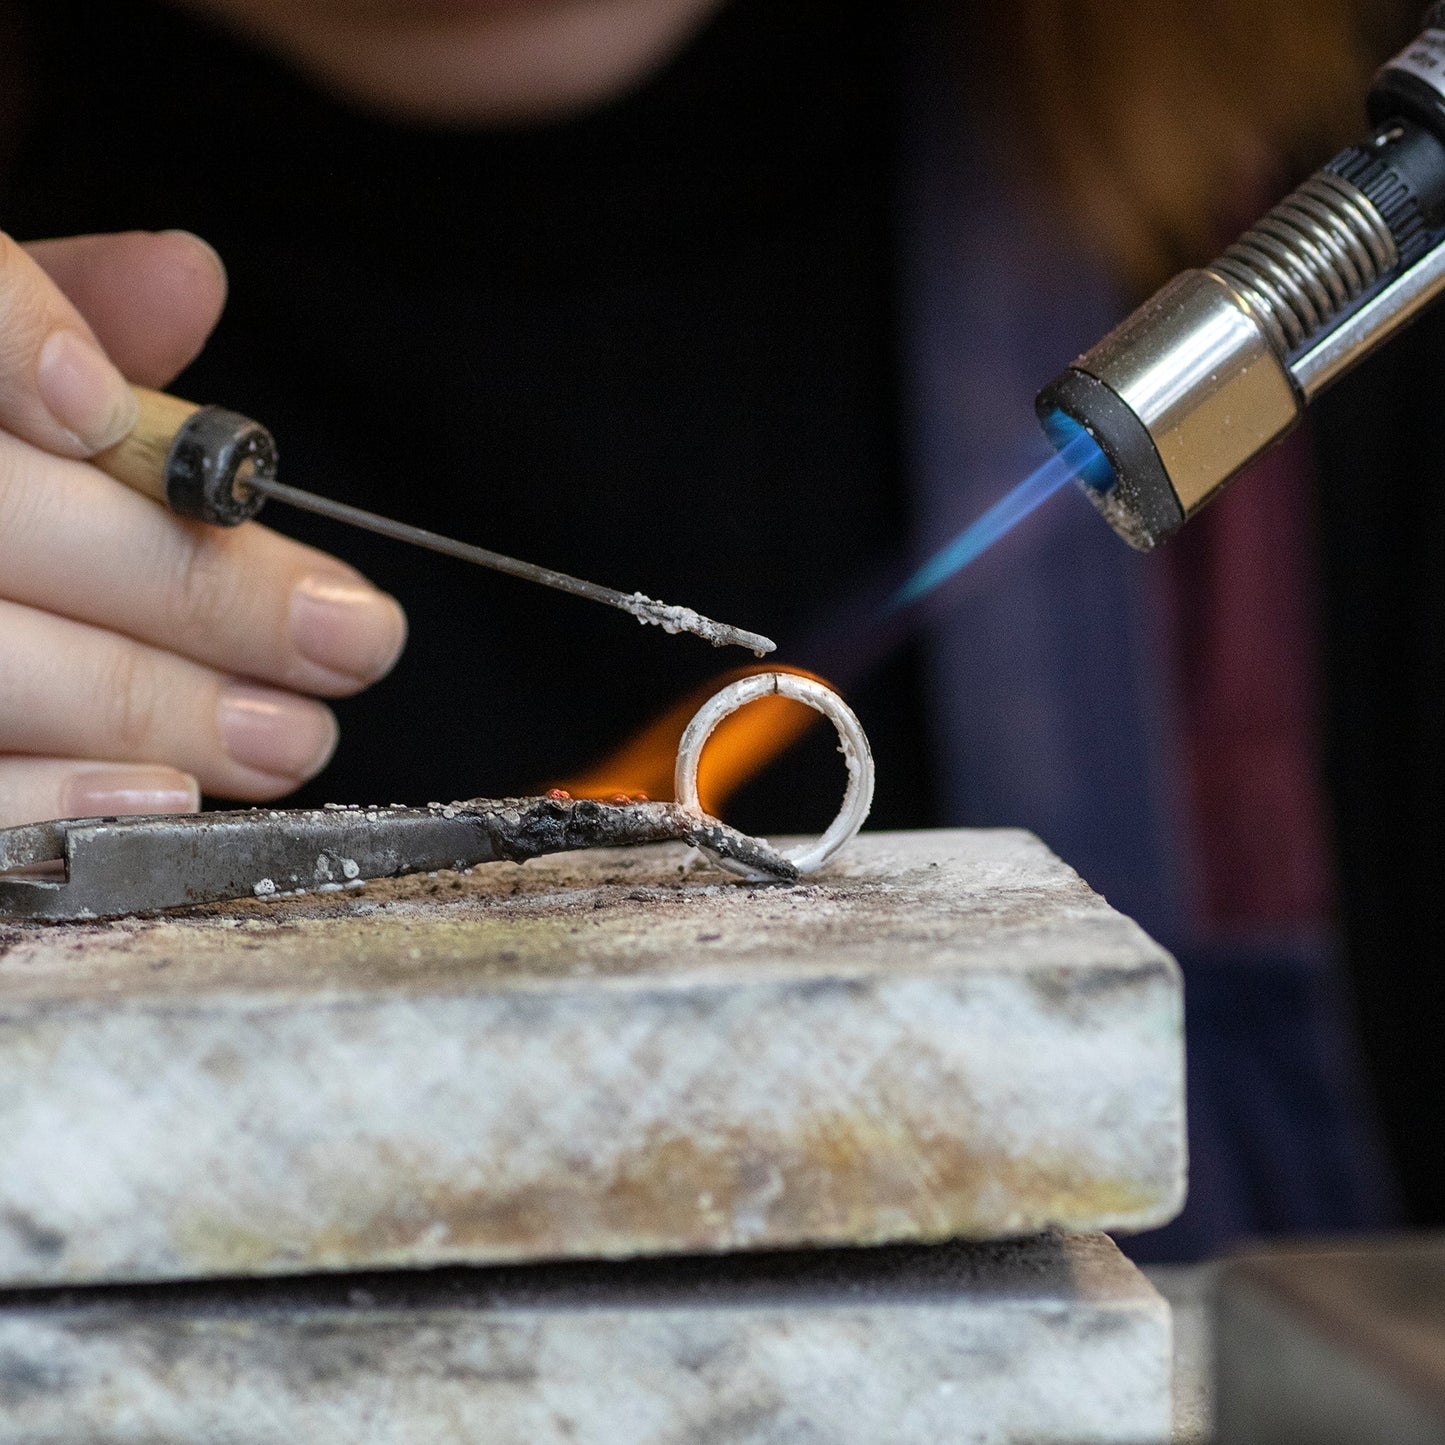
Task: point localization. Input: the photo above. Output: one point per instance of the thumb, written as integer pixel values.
(58, 389)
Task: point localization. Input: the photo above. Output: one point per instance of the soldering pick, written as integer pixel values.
(218, 466)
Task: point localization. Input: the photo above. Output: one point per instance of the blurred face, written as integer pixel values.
(469, 60)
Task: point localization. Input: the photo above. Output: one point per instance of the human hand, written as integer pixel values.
(145, 658)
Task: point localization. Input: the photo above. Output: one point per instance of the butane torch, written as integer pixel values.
(1223, 361)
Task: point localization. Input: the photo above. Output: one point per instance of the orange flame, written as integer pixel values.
(741, 746)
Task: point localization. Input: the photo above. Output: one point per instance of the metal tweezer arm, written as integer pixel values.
(116, 866)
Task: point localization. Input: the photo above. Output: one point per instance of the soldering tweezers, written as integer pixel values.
(110, 867)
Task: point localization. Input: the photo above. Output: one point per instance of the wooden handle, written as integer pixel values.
(139, 459)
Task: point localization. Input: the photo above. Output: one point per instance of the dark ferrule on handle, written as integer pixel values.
(1222, 362)
(197, 460)
(213, 457)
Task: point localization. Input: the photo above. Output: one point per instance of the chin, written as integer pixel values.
(487, 62)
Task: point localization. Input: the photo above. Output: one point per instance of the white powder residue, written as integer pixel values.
(652, 613)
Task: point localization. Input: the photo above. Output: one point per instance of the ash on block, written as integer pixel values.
(1055, 1341)
(942, 1035)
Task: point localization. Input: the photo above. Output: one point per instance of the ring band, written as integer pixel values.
(858, 756)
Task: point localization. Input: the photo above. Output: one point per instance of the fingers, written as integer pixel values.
(57, 387)
(72, 690)
(144, 658)
(35, 789)
(240, 600)
(151, 298)
(136, 649)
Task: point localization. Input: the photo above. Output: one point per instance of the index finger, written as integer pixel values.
(151, 298)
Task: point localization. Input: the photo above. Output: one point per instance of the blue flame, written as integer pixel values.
(1092, 465)
(1079, 457)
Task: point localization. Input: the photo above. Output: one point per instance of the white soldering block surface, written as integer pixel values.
(942, 1035)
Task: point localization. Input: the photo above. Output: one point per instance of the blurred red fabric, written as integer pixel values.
(1245, 629)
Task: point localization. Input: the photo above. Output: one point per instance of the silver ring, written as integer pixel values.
(853, 744)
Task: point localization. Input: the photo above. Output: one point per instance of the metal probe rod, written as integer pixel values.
(217, 466)
(645, 609)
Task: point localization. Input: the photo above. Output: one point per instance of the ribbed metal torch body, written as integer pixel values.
(1316, 252)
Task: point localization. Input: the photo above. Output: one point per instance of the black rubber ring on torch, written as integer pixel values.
(203, 469)
(1141, 505)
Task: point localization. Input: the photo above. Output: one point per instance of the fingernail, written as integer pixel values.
(275, 732)
(347, 627)
(108, 792)
(84, 392)
(204, 247)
